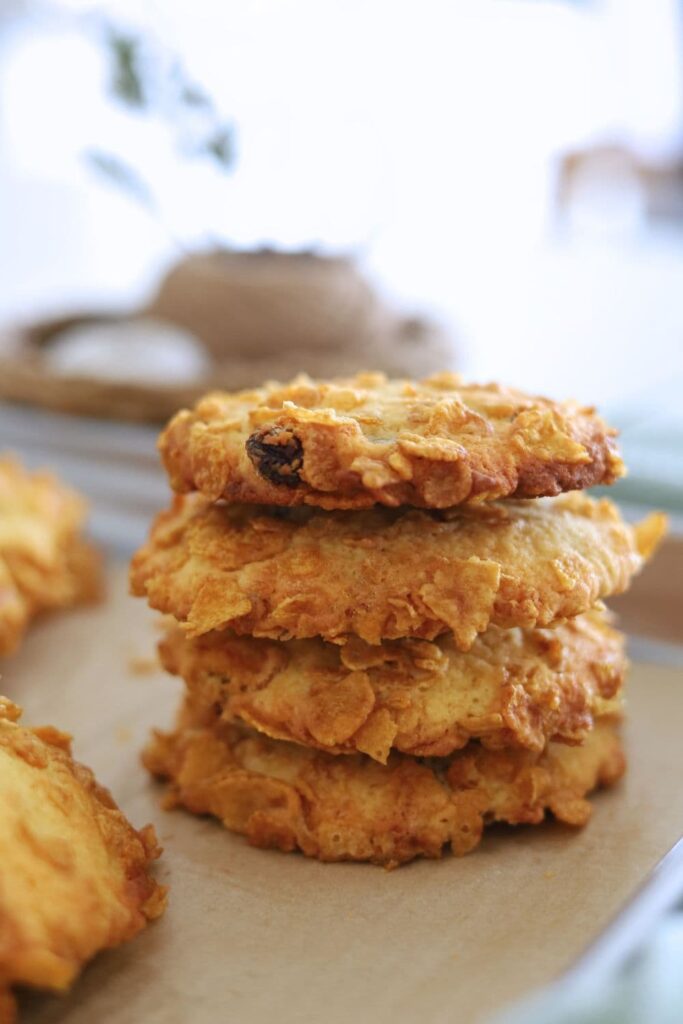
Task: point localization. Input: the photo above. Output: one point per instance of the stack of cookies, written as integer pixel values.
(387, 614)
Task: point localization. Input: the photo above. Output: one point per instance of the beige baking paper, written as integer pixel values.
(255, 937)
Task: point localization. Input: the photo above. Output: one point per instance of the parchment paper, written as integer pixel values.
(255, 936)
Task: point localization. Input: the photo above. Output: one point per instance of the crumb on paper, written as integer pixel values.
(142, 665)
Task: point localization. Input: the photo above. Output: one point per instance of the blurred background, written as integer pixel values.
(219, 193)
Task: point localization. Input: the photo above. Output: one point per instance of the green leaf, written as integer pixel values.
(126, 75)
(121, 175)
(221, 147)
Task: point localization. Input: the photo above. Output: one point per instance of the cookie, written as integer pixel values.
(75, 876)
(44, 561)
(351, 808)
(365, 440)
(385, 573)
(514, 688)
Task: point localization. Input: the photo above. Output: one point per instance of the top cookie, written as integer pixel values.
(366, 440)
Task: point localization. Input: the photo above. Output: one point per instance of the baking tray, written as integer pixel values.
(255, 936)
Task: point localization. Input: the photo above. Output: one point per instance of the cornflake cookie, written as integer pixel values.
(365, 440)
(352, 808)
(384, 573)
(513, 688)
(44, 562)
(74, 875)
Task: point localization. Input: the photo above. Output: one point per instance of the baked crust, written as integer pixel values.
(44, 562)
(74, 876)
(355, 442)
(351, 808)
(514, 688)
(384, 573)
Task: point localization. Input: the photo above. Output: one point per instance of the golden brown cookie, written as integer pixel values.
(74, 875)
(513, 688)
(365, 440)
(352, 808)
(384, 573)
(44, 562)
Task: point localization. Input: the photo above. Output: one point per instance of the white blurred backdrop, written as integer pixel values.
(425, 138)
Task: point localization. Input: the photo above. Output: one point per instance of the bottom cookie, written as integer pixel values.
(350, 807)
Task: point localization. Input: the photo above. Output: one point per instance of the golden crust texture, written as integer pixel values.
(44, 562)
(384, 573)
(513, 688)
(352, 808)
(74, 875)
(365, 440)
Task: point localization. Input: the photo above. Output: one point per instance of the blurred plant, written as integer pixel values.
(152, 84)
(121, 175)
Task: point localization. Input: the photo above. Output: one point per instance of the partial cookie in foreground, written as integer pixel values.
(44, 561)
(513, 688)
(384, 573)
(352, 808)
(74, 875)
(365, 440)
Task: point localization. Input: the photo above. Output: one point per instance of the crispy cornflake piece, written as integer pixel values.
(44, 562)
(365, 440)
(74, 875)
(352, 808)
(513, 688)
(384, 573)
